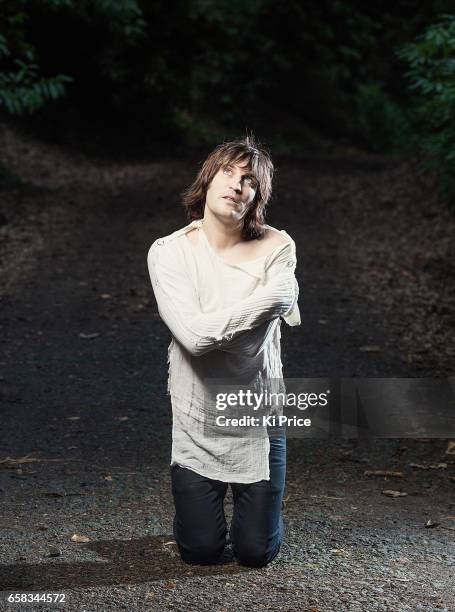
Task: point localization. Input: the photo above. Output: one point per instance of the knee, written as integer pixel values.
(255, 556)
(202, 553)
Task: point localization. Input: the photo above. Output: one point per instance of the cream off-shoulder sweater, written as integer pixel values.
(225, 323)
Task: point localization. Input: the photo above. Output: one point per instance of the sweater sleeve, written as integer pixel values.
(199, 332)
(252, 342)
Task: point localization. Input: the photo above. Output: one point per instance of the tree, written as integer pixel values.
(431, 74)
(23, 89)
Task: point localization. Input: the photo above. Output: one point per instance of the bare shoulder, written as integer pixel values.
(271, 240)
(273, 237)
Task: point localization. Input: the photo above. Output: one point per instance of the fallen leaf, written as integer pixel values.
(169, 585)
(137, 307)
(431, 466)
(27, 459)
(325, 497)
(431, 523)
(383, 473)
(451, 448)
(392, 493)
(420, 466)
(79, 538)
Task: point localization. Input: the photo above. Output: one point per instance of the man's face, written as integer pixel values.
(231, 191)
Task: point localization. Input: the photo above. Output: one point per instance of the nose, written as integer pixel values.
(236, 184)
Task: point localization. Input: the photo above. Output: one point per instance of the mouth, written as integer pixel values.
(231, 200)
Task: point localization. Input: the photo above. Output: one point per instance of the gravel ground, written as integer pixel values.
(86, 423)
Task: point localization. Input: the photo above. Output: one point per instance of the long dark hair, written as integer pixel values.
(259, 163)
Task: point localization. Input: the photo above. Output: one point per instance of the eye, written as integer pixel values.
(227, 171)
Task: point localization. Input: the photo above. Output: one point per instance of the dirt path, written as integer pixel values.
(83, 381)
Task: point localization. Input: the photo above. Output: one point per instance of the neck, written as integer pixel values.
(221, 235)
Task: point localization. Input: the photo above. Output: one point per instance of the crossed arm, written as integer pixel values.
(201, 332)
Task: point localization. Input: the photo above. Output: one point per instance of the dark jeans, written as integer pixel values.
(257, 528)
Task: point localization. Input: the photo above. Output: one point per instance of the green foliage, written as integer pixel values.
(190, 72)
(23, 89)
(431, 74)
(381, 122)
(123, 15)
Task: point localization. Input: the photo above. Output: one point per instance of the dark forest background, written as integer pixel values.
(131, 78)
